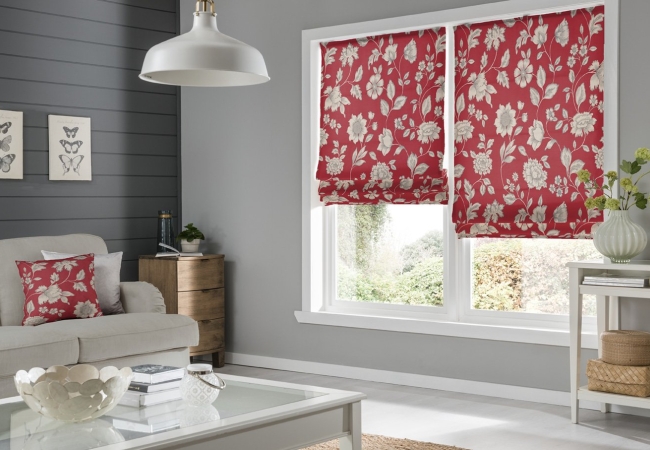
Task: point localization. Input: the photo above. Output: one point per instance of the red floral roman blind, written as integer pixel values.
(529, 115)
(381, 119)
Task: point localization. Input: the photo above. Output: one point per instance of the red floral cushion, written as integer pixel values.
(58, 290)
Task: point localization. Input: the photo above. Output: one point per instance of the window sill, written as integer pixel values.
(559, 338)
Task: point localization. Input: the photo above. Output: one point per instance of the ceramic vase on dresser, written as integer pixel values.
(620, 239)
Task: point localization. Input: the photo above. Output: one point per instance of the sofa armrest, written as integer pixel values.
(141, 297)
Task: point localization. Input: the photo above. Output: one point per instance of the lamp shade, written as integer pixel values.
(204, 57)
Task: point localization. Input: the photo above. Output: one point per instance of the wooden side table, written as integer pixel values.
(608, 317)
(194, 287)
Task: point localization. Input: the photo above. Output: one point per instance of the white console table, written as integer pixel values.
(608, 318)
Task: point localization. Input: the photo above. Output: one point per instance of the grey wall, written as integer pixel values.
(82, 58)
(242, 186)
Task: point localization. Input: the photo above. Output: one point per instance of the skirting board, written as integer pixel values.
(527, 394)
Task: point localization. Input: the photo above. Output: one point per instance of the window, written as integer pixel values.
(404, 261)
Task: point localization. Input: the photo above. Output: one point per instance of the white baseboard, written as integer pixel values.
(527, 394)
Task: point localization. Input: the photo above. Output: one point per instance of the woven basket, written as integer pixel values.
(627, 380)
(626, 347)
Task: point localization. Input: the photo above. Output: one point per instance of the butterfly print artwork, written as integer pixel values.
(71, 147)
(4, 128)
(5, 163)
(71, 133)
(71, 163)
(4, 143)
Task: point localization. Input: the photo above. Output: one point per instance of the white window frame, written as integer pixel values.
(455, 317)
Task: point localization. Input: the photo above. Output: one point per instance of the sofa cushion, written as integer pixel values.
(27, 347)
(12, 298)
(59, 290)
(107, 337)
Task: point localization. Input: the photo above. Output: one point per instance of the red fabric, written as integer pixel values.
(58, 290)
(529, 115)
(381, 126)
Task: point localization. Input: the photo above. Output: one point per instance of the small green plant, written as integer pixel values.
(190, 233)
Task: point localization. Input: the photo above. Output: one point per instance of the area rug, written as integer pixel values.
(372, 442)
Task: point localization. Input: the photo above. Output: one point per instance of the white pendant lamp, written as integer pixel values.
(204, 57)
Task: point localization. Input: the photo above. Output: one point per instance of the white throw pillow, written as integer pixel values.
(107, 279)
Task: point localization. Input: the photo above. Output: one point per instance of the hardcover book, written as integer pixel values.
(146, 387)
(138, 399)
(153, 373)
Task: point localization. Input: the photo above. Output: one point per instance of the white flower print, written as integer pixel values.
(381, 172)
(390, 54)
(333, 99)
(411, 51)
(493, 211)
(482, 162)
(494, 37)
(385, 141)
(560, 215)
(536, 134)
(523, 72)
(84, 310)
(539, 38)
(375, 86)
(479, 86)
(428, 132)
(65, 264)
(505, 121)
(323, 137)
(534, 174)
(334, 166)
(599, 157)
(539, 214)
(357, 128)
(33, 321)
(349, 54)
(562, 33)
(463, 130)
(598, 78)
(582, 124)
(53, 294)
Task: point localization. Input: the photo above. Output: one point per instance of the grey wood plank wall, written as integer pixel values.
(82, 58)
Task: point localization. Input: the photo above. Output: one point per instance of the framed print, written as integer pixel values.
(11, 145)
(70, 149)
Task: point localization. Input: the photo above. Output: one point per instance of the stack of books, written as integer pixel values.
(153, 384)
(609, 279)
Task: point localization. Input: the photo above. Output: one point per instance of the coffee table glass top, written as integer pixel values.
(21, 428)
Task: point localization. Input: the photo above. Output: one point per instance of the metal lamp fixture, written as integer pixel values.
(204, 57)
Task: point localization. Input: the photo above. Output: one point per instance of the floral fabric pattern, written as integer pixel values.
(528, 117)
(381, 127)
(59, 289)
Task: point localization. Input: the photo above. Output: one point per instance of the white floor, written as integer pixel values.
(474, 422)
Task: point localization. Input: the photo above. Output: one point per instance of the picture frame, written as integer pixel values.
(11, 145)
(70, 148)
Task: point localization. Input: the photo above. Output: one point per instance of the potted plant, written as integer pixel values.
(190, 238)
(618, 238)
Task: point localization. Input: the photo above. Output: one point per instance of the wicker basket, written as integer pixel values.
(626, 347)
(626, 380)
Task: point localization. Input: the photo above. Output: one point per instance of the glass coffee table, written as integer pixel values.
(250, 414)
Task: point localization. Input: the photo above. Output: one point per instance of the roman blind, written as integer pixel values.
(381, 119)
(528, 117)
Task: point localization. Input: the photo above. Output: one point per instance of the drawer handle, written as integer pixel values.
(205, 291)
(206, 321)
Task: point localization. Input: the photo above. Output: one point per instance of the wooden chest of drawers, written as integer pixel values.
(194, 287)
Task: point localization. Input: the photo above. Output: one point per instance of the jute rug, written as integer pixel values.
(372, 442)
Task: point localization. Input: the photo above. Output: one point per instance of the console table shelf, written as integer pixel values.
(607, 318)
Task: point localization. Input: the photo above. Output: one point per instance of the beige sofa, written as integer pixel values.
(144, 335)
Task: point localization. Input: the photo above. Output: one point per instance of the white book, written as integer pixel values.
(154, 373)
(175, 253)
(138, 399)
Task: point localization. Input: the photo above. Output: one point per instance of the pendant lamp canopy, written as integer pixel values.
(204, 57)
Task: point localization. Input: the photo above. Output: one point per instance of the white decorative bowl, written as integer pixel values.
(76, 394)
